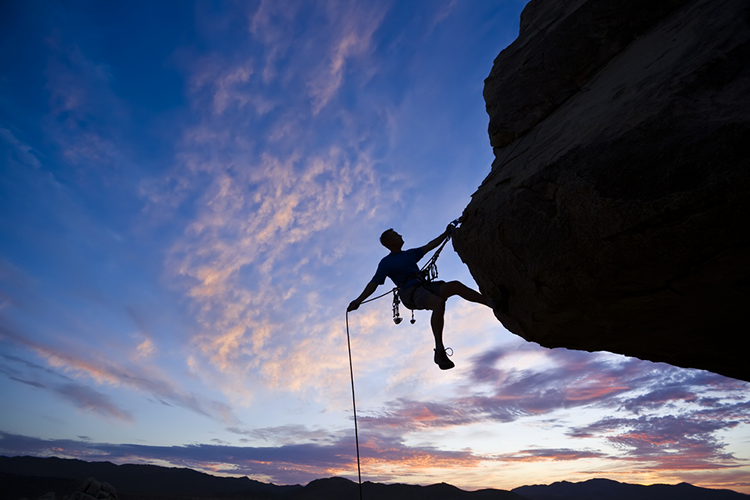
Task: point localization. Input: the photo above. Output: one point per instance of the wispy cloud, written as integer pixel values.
(561, 379)
(82, 397)
(80, 95)
(543, 455)
(685, 441)
(108, 372)
(257, 201)
(354, 39)
(668, 417)
(17, 150)
(286, 434)
(87, 398)
(343, 37)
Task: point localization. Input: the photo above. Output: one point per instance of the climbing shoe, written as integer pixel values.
(441, 359)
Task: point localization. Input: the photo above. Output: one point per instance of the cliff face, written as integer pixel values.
(617, 211)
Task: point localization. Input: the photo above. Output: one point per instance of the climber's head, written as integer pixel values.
(391, 240)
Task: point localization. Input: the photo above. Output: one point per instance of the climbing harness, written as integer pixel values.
(428, 273)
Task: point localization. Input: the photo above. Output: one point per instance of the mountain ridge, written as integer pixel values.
(31, 477)
(614, 490)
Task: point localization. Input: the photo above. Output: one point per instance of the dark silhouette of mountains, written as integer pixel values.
(131, 479)
(600, 489)
(31, 477)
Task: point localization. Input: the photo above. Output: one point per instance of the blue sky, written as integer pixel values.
(192, 193)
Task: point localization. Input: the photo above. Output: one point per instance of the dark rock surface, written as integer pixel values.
(92, 489)
(617, 211)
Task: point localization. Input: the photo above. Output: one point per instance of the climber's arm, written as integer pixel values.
(369, 290)
(437, 241)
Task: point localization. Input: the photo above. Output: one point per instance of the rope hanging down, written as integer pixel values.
(428, 273)
(354, 405)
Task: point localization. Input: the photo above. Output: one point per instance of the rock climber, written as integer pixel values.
(417, 293)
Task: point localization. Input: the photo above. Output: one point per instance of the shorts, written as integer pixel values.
(415, 297)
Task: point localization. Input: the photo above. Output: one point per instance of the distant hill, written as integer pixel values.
(151, 482)
(31, 477)
(337, 488)
(136, 479)
(599, 489)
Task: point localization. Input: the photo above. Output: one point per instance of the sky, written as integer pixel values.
(192, 193)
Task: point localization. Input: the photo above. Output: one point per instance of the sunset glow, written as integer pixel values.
(192, 194)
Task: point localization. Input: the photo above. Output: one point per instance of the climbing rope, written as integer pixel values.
(427, 273)
(354, 405)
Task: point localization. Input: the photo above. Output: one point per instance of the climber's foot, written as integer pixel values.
(441, 359)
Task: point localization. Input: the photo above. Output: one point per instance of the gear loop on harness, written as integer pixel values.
(396, 300)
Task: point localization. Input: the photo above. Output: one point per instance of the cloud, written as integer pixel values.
(86, 118)
(252, 214)
(286, 434)
(110, 373)
(558, 379)
(287, 464)
(685, 441)
(543, 455)
(224, 86)
(736, 479)
(341, 37)
(667, 418)
(658, 398)
(354, 39)
(8, 370)
(239, 230)
(146, 349)
(18, 151)
(268, 194)
(442, 14)
(88, 399)
(82, 397)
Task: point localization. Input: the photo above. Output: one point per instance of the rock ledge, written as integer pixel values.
(617, 210)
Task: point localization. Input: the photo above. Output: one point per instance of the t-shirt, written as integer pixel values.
(400, 267)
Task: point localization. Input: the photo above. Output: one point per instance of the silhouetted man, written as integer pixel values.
(416, 293)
